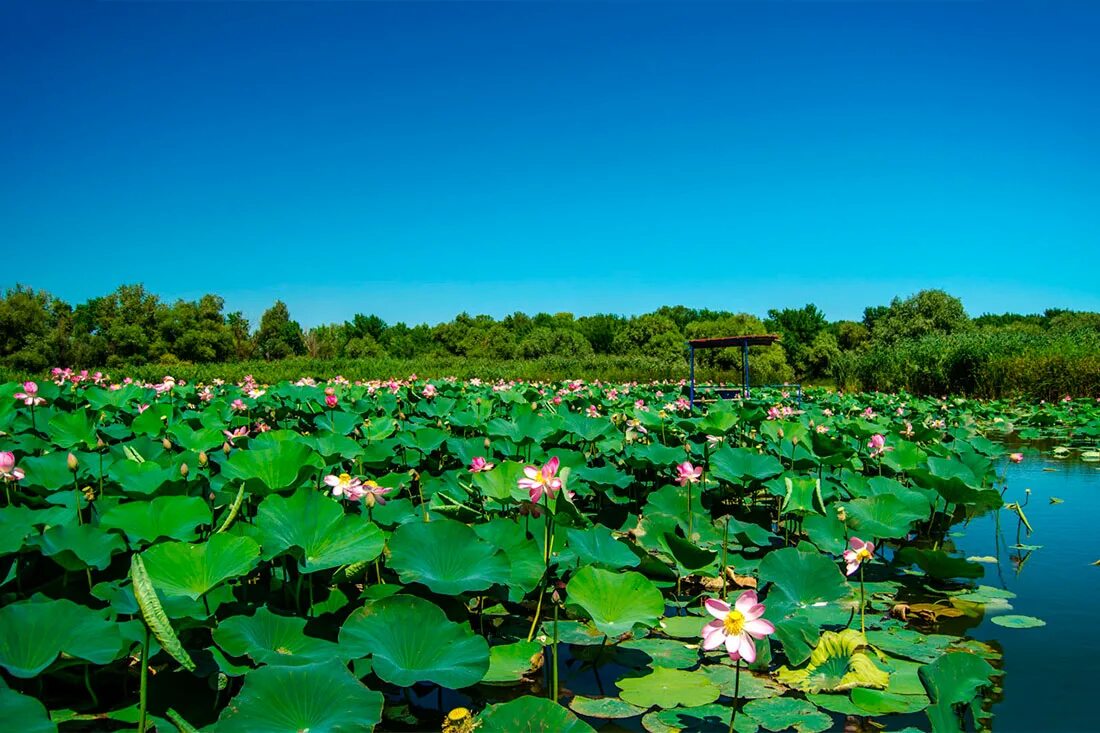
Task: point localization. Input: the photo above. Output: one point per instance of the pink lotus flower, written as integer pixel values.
(868, 413)
(858, 553)
(331, 401)
(8, 471)
(429, 391)
(372, 493)
(238, 404)
(687, 473)
(231, 435)
(540, 480)
(592, 411)
(479, 464)
(822, 429)
(773, 413)
(736, 627)
(29, 395)
(877, 444)
(345, 485)
(1016, 457)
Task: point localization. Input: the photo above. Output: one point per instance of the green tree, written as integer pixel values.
(279, 337)
(799, 327)
(645, 335)
(545, 341)
(34, 328)
(927, 312)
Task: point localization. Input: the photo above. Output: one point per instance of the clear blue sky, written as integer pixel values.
(416, 159)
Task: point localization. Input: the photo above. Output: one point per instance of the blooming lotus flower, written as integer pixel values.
(231, 435)
(540, 480)
(8, 471)
(479, 464)
(238, 404)
(372, 492)
(592, 411)
(687, 473)
(1016, 457)
(877, 444)
(429, 391)
(29, 395)
(858, 553)
(736, 627)
(345, 485)
(773, 413)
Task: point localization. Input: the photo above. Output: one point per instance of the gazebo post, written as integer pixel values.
(745, 367)
(691, 360)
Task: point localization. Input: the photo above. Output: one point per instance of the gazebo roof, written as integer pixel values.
(765, 339)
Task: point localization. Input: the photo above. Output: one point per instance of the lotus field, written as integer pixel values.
(426, 555)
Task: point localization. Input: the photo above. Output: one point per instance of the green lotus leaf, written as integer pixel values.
(500, 484)
(319, 698)
(713, 718)
(668, 688)
(938, 563)
(608, 708)
(34, 632)
(953, 679)
(174, 517)
(803, 496)
(734, 465)
(910, 644)
(315, 529)
(74, 429)
(781, 713)
(689, 557)
(277, 467)
(606, 475)
(828, 533)
(750, 687)
(683, 627)
(192, 570)
(511, 662)
(835, 703)
(837, 664)
(24, 713)
(529, 714)
(524, 555)
(656, 455)
(882, 517)
(447, 556)
(578, 633)
(142, 479)
(880, 702)
(16, 524)
(665, 652)
(597, 546)
(616, 602)
(411, 640)
(804, 577)
(268, 638)
(203, 439)
(1013, 621)
(50, 471)
(76, 547)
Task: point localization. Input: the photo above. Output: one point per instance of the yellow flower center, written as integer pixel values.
(862, 554)
(345, 478)
(734, 622)
(458, 714)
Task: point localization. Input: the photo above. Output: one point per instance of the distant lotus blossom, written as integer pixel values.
(261, 426)
(429, 391)
(29, 395)
(479, 464)
(827, 412)
(372, 493)
(592, 411)
(612, 394)
(773, 413)
(868, 413)
(636, 424)
(143, 407)
(1016, 457)
(345, 485)
(231, 435)
(877, 444)
(542, 480)
(858, 553)
(737, 627)
(238, 404)
(714, 440)
(938, 424)
(331, 401)
(822, 429)
(687, 473)
(1067, 398)
(908, 432)
(8, 470)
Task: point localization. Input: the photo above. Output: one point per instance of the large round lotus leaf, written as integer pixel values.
(881, 517)
(411, 640)
(510, 662)
(183, 569)
(734, 465)
(838, 663)
(76, 547)
(269, 638)
(835, 702)
(828, 533)
(663, 652)
(910, 644)
(951, 680)
(668, 688)
(175, 517)
(750, 687)
(34, 632)
(529, 714)
(804, 577)
(938, 563)
(574, 632)
(142, 479)
(597, 546)
(72, 430)
(616, 602)
(1012, 621)
(683, 627)
(713, 718)
(880, 702)
(24, 713)
(611, 708)
(319, 698)
(781, 713)
(447, 556)
(276, 467)
(607, 475)
(655, 454)
(526, 560)
(16, 524)
(689, 557)
(315, 529)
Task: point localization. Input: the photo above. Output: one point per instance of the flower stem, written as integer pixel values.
(862, 628)
(736, 692)
(555, 653)
(142, 696)
(725, 549)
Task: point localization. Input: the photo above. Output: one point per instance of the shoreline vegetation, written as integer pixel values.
(923, 344)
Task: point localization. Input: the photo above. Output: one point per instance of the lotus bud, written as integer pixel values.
(203, 459)
(89, 494)
(184, 470)
(99, 443)
(167, 444)
(488, 444)
(226, 448)
(72, 463)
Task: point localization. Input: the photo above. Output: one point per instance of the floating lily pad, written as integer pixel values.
(781, 713)
(668, 688)
(529, 714)
(269, 638)
(713, 718)
(838, 663)
(1013, 621)
(616, 602)
(611, 708)
(665, 652)
(804, 577)
(511, 662)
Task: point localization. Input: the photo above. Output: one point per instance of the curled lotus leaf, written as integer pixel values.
(838, 663)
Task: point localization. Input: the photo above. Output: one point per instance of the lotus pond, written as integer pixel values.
(508, 557)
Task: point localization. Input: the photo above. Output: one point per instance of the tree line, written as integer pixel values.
(132, 327)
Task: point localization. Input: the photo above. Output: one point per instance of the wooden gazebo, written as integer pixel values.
(724, 342)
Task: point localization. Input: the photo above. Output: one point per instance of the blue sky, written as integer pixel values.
(416, 159)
